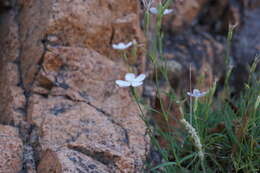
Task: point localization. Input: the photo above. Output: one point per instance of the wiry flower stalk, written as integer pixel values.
(194, 136)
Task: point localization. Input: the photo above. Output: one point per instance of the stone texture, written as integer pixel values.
(57, 82)
(246, 42)
(69, 68)
(218, 15)
(92, 24)
(246, 46)
(71, 161)
(193, 52)
(11, 148)
(79, 104)
(12, 100)
(13, 97)
(185, 14)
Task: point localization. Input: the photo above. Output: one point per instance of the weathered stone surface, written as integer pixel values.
(91, 24)
(197, 53)
(246, 46)
(11, 148)
(12, 98)
(246, 43)
(9, 37)
(84, 108)
(70, 161)
(218, 15)
(76, 99)
(185, 14)
(57, 82)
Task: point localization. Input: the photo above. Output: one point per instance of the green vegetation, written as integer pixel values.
(213, 134)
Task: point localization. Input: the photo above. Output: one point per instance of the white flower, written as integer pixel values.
(154, 10)
(131, 80)
(196, 93)
(147, 3)
(122, 46)
(167, 11)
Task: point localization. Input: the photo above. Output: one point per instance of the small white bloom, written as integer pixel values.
(167, 11)
(122, 46)
(131, 80)
(147, 3)
(154, 10)
(196, 93)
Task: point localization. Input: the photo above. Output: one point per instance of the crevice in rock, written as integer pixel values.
(102, 157)
(113, 121)
(26, 130)
(112, 35)
(109, 117)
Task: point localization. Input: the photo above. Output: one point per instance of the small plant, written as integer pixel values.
(220, 136)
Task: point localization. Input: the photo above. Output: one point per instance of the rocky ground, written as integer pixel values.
(60, 110)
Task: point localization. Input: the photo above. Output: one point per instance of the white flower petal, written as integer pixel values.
(117, 46)
(128, 44)
(122, 46)
(190, 94)
(140, 78)
(167, 11)
(136, 83)
(204, 93)
(153, 10)
(114, 46)
(130, 77)
(122, 83)
(196, 91)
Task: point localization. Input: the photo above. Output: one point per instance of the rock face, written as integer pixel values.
(185, 14)
(194, 55)
(246, 44)
(57, 82)
(87, 24)
(246, 41)
(85, 109)
(11, 147)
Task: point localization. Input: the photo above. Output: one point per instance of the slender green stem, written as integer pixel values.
(136, 98)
